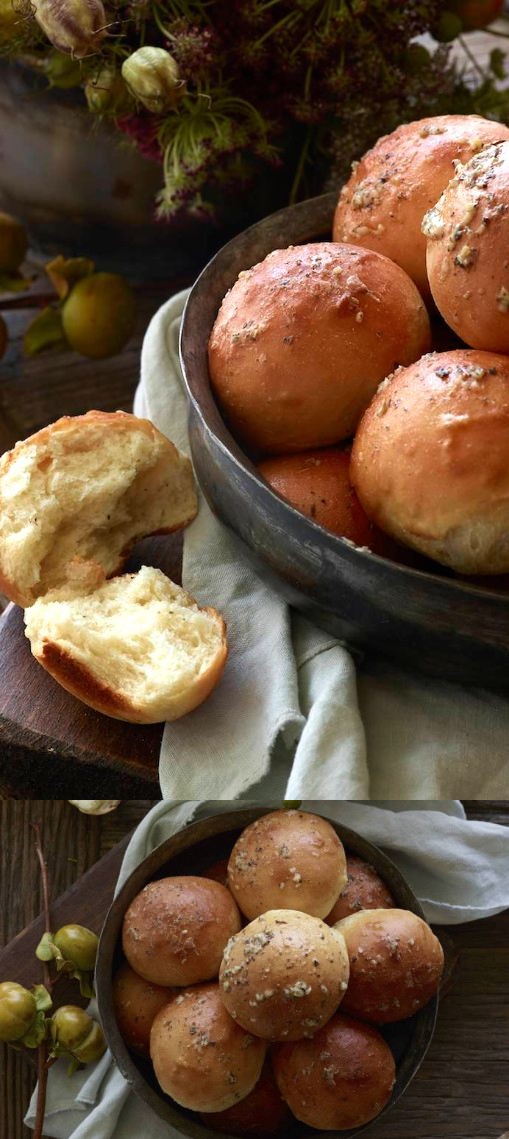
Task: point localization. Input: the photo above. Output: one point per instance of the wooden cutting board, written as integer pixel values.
(48, 738)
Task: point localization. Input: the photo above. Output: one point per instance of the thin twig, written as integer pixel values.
(43, 1063)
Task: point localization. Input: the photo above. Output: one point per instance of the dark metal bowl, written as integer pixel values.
(190, 852)
(421, 618)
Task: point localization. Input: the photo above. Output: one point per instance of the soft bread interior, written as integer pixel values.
(76, 496)
(138, 647)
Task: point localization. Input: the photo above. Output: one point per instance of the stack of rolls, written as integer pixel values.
(259, 1000)
(323, 357)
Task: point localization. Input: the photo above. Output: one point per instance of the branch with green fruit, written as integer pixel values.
(93, 313)
(26, 1016)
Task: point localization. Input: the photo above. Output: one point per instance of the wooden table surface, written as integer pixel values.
(461, 1090)
(39, 722)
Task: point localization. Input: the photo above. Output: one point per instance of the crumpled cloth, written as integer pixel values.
(292, 715)
(458, 869)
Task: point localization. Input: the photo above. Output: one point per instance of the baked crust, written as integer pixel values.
(303, 339)
(382, 205)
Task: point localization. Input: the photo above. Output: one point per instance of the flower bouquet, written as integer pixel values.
(267, 98)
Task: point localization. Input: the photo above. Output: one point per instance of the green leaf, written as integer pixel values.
(64, 272)
(86, 986)
(36, 1033)
(42, 998)
(45, 331)
(45, 950)
(497, 63)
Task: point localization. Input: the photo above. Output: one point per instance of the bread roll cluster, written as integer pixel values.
(239, 991)
(74, 498)
(330, 341)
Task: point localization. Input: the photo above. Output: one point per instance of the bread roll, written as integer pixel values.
(317, 483)
(340, 1079)
(175, 930)
(263, 1112)
(284, 975)
(364, 890)
(302, 340)
(429, 461)
(382, 205)
(396, 963)
(137, 648)
(201, 1057)
(136, 1003)
(287, 860)
(76, 496)
(467, 235)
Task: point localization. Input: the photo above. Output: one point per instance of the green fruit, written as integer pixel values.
(107, 94)
(99, 315)
(74, 1033)
(78, 945)
(18, 1010)
(449, 26)
(417, 59)
(13, 243)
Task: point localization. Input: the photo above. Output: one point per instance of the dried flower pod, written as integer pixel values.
(152, 76)
(106, 92)
(95, 806)
(75, 27)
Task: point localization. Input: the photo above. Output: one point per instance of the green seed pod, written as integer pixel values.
(152, 76)
(62, 71)
(18, 1010)
(106, 93)
(75, 27)
(75, 1034)
(13, 243)
(77, 944)
(98, 315)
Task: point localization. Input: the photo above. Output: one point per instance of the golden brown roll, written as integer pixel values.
(382, 205)
(364, 890)
(340, 1079)
(429, 461)
(396, 963)
(467, 235)
(287, 860)
(302, 340)
(284, 975)
(136, 1003)
(262, 1112)
(201, 1058)
(175, 930)
(317, 483)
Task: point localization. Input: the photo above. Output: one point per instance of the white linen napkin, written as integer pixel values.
(290, 716)
(458, 869)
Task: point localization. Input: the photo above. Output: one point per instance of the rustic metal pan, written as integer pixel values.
(418, 617)
(190, 852)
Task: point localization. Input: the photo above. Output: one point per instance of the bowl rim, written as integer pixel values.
(233, 451)
(187, 838)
